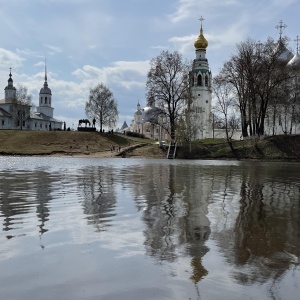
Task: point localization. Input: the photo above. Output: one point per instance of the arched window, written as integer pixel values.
(199, 80)
(41, 102)
(45, 100)
(206, 80)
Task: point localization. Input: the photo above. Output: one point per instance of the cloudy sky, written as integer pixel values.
(86, 42)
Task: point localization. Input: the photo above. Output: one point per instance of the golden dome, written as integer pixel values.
(201, 42)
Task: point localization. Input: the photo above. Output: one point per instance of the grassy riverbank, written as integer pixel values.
(22, 142)
(74, 143)
(283, 147)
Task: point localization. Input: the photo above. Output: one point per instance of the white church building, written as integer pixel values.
(40, 119)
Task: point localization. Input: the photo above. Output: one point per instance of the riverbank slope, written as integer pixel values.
(281, 147)
(75, 143)
(94, 144)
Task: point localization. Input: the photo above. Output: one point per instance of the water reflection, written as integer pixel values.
(247, 214)
(21, 192)
(267, 227)
(263, 243)
(99, 200)
(174, 200)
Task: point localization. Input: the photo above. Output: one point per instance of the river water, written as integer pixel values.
(84, 228)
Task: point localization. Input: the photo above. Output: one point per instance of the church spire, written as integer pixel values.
(45, 83)
(10, 90)
(10, 81)
(45, 98)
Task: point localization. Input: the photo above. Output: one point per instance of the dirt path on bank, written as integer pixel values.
(117, 153)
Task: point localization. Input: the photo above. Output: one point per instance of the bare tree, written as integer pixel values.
(168, 85)
(294, 99)
(102, 106)
(21, 106)
(189, 123)
(257, 73)
(225, 107)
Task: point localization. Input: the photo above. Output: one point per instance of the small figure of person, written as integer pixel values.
(94, 122)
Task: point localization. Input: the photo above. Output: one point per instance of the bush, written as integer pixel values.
(135, 134)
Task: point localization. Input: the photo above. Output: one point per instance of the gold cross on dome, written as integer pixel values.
(201, 19)
(281, 26)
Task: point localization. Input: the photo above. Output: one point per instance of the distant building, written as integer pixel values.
(283, 117)
(149, 123)
(124, 126)
(14, 115)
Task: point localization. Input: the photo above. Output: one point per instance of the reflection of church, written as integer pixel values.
(17, 115)
(174, 201)
(32, 192)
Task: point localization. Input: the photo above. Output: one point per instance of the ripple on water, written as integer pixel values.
(192, 228)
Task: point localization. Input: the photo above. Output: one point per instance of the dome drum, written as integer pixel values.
(45, 90)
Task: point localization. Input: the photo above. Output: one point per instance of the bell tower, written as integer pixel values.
(45, 99)
(10, 90)
(200, 81)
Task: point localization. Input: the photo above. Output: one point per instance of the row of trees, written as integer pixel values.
(255, 84)
(167, 84)
(259, 83)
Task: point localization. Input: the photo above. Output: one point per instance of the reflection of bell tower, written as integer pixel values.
(45, 99)
(199, 271)
(200, 81)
